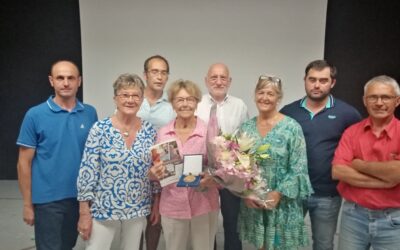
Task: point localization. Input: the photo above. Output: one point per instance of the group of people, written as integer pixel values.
(82, 176)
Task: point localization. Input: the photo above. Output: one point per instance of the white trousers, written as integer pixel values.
(200, 229)
(103, 233)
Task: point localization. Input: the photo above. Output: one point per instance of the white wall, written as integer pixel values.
(252, 37)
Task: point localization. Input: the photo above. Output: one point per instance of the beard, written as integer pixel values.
(318, 98)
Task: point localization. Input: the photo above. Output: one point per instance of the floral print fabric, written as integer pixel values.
(286, 172)
(113, 177)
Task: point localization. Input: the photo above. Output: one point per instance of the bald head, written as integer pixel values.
(65, 63)
(220, 67)
(218, 81)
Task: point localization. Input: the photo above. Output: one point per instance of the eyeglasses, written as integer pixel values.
(222, 78)
(156, 72)
(273, 79)
(127, 97)
(384, 98)
(189, 100)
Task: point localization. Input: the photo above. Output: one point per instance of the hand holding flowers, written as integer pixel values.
(235, 167)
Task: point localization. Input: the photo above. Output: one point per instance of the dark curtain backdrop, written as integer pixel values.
(362, 40)
(33, 34)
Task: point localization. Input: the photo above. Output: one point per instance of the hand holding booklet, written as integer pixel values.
(168, 153)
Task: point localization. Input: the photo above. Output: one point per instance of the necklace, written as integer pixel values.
(126, 132)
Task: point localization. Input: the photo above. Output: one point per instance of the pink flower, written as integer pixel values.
(236, 164)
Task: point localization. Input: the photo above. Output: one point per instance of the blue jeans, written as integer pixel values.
(362, 228)
(56, 224)
(230, 205)
(324, 211)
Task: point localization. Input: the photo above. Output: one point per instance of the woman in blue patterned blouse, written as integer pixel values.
(285, 172)
(113, 185)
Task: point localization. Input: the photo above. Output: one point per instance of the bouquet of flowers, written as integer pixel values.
(234, 159)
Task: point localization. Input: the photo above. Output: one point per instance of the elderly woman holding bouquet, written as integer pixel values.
(186, 212)
(113, 185)
(280, 225)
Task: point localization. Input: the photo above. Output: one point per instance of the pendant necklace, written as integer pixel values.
(126, 132)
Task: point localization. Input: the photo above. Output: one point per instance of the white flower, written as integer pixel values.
(219, 141)
(245, 142)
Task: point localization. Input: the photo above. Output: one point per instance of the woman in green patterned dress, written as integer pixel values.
(285, 172)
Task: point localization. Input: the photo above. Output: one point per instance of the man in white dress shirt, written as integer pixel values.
(231, 113)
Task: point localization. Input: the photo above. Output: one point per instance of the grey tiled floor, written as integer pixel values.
(15, 235)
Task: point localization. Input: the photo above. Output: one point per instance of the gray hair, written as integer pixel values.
(128, 80)
(383, 79)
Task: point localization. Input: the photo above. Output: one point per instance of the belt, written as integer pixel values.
(374, 213)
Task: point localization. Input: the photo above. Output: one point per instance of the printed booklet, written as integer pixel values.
(168, 152)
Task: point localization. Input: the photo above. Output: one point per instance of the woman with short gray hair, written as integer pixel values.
(113, 186)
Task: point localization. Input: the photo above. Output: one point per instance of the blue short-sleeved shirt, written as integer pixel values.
(58, 137)
(322, 132)
(159, 114)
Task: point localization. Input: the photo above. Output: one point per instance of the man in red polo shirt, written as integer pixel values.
(367, 165)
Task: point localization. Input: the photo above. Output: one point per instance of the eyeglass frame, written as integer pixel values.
(223, 79)
(181, 100)
(127, 97)
(384, 98)
(274, 79)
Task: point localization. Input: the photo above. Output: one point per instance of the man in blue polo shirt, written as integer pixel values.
(323, 119)
(51, 142)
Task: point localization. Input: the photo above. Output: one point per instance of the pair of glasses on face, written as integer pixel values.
(156, 72)
(384, 98)
(222, 78)
(269, 78)
(126, 97)
(189, 100)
